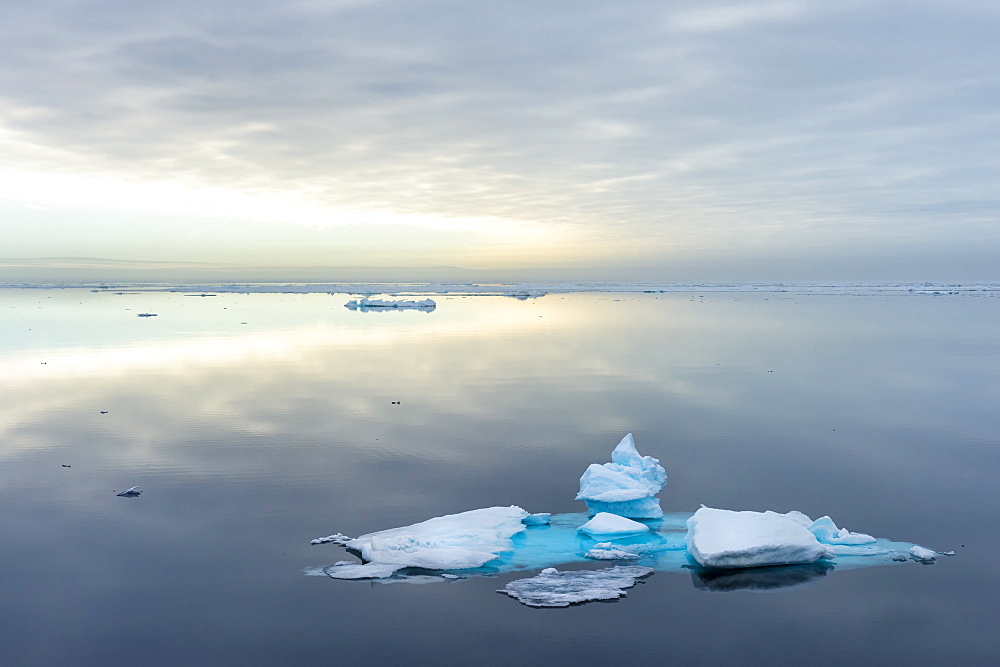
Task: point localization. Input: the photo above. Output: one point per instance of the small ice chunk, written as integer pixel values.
(627, 486)
(549, 570)
(561, 589)
(920, 553)
(826, 531)
(724, 538)
(612, 553)
(540, 519)
(336, 538)
(130, 493)
(605, 523)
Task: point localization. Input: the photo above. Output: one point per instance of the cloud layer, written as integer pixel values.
(653, 133)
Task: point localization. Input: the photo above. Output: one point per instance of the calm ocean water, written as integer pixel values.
(255, 422)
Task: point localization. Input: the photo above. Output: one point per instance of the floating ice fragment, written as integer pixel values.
(540, 519)
(605, 523)
(920, 553)
(366, 303)
(826, 531)
(727, 539)
(130, 493)
(451, 542)
(552, 588)
(362, 571)
(336, 538)
(610, 553)
(627, 486)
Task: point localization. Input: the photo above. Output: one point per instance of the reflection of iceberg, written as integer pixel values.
(725, 550)
(759, 578)
(381, 304)
(627, 486)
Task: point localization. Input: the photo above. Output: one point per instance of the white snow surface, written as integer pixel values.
(552, 588)
(450, 542)
(921, 553)
(606, 524)
(627, 486)
(727, 539)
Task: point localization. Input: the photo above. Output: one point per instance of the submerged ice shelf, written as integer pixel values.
(724, 550)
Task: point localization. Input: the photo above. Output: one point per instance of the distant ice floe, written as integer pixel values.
(724, 550)
(130, 493)
(366, 304)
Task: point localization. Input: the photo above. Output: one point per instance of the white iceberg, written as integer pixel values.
(605, 523)
(366, 303)
(923, 554)
(452, 542)
(627, 486)
(551, 588)
(727, 539)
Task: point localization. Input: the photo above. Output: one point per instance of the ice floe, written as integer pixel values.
(724, 550)
(365, 304)
(627, 486)
(452, 542)
(552, 588)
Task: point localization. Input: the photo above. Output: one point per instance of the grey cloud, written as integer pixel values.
(779, 123)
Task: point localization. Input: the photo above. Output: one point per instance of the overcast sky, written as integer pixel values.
(665, 140)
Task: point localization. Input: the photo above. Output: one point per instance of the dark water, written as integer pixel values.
(256, 422)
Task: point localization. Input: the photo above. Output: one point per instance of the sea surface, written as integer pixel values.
(254, 422)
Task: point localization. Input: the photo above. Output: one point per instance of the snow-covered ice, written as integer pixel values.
(452, 542)
(605, 523)
(723, 538)
(920, 553)
(551, 588)
(627, 486)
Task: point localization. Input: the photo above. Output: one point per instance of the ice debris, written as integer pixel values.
(605, 523)
(920, 553)
(627, 486)
(452, 542)
(607, 551)
(336, 538)
(541, 519)
(130, 493)
(366, 303)
(552, 588)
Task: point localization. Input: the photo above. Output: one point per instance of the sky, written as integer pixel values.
(634, 140)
